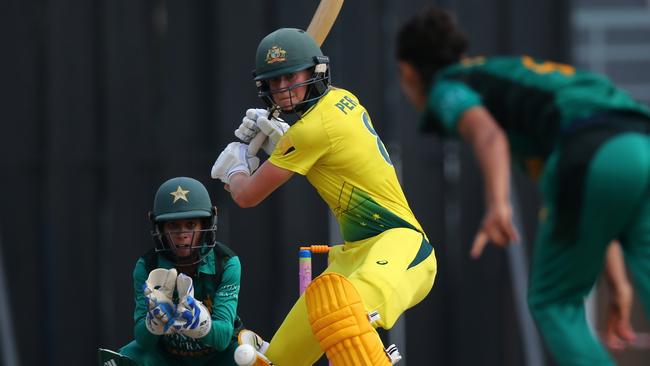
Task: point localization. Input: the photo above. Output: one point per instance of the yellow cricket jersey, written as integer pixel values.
(336, 147)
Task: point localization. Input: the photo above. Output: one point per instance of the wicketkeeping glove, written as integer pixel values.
(233, 159)
(158, 291)
(192, 317)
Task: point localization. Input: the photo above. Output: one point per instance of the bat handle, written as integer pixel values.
(256, 142)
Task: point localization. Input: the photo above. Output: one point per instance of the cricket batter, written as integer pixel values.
(386, 264)
(186, 288)
(589, 140)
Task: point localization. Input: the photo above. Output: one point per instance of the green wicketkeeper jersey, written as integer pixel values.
(221, 300)
(534, 101)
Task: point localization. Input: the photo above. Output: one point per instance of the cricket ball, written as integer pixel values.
(245, 355)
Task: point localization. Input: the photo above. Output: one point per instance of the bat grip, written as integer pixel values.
(256, 143)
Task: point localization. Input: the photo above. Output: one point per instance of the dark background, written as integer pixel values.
(103, 100)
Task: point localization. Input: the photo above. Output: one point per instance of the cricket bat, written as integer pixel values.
(319, 27)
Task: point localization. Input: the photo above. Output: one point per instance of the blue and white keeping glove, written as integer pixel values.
(158, 292)
(192, 317)
(234, 159)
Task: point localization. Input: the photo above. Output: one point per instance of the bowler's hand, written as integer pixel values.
(619, 329)
(496, 227)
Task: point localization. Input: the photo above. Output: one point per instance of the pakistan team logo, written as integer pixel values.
(275, 54)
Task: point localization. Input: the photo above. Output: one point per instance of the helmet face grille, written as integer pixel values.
(189, 253)
(318, 85)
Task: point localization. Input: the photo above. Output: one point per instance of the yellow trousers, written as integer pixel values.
(392, 272)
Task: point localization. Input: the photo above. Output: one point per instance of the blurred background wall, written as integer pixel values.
(103, 100)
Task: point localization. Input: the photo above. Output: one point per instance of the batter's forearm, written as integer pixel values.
(240, 191)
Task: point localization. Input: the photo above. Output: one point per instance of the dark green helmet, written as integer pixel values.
(289, 50)
(285, 51)
(183, 198)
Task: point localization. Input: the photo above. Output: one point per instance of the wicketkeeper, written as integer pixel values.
(186, 288)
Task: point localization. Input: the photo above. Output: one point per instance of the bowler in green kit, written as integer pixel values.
(586, 141)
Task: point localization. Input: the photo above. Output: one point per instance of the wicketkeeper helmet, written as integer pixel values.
(183, 198)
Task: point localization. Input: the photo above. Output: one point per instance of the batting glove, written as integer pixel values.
(234, 159)
(257, 120)
(248, 127)
(158, 291)
(274, 128)
(192, 317)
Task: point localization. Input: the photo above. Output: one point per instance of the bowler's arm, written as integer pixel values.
(478, 128)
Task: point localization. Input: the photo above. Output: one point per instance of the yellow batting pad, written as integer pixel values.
(338, 320)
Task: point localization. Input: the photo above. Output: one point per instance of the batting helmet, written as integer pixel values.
(289, 50)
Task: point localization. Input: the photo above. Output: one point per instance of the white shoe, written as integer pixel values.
(393, 354)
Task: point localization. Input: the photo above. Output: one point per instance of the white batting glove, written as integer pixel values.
(248, 127)
(234, 159)
(158, 291)
(274, 128)
(192, 317)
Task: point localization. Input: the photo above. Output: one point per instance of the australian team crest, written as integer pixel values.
(275, 54)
